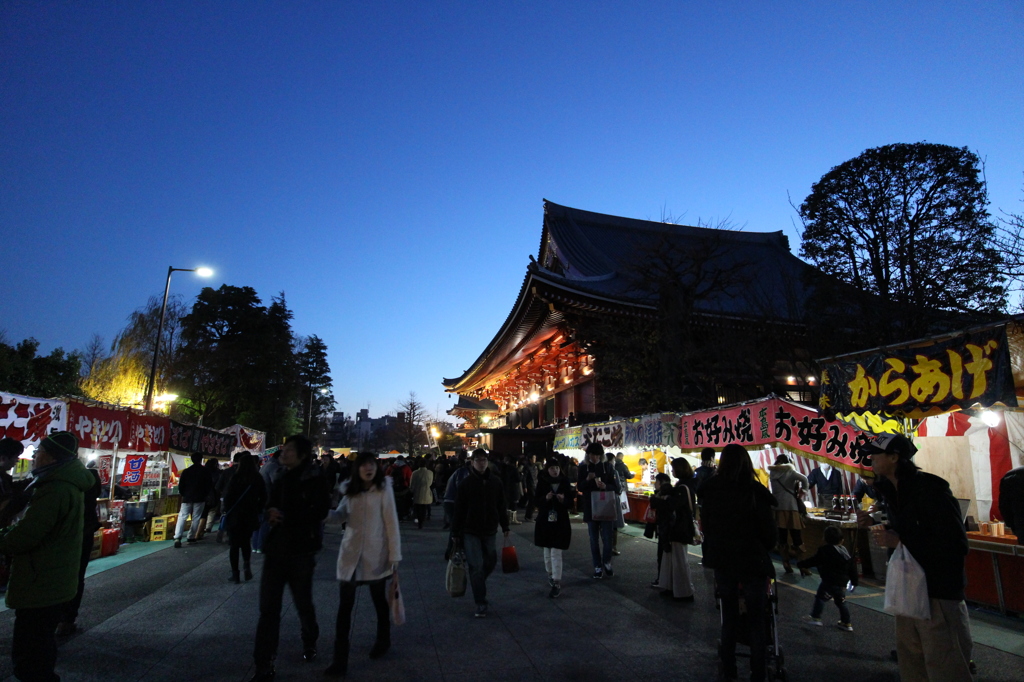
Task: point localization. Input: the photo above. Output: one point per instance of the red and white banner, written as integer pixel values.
(103, 465)
(994, 450)
(134, 470)
(98, 428)
(247, 440)
(775, 422)
(147, 433)
(29, 420)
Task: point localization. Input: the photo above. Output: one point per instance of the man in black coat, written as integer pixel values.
(925, 517)
(480, 508)
(194, 485)
(298, 502)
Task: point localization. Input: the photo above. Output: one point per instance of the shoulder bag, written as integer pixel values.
(698, 537)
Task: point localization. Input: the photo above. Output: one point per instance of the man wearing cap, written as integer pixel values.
(925, 517)
(479, 508)
(45, 545)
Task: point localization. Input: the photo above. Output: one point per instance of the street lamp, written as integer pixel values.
(202, 272)
(309, 416)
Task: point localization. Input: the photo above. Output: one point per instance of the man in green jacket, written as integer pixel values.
(45, 545)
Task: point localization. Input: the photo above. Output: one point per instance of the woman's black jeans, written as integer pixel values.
(344, 623)
(240, 542)
(730, 586)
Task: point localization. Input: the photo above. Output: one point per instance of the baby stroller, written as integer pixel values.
(774, 659)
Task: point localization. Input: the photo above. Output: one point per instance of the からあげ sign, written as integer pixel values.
(925, 380)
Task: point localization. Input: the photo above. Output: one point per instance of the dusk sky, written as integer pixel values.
(384, 163)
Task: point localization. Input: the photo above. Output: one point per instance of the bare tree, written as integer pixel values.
(94, 352)
(410, 424)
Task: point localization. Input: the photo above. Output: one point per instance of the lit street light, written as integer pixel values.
(202, 272)
(309, 416)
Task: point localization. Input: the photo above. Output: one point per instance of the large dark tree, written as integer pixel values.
(237, 362)
(24, 371)
(908, 223)
(315, 376)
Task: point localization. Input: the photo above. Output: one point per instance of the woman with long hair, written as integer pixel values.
(244, 499)
(370, 551)
(739, 532)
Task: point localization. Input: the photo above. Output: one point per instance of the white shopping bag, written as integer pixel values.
(906, 589)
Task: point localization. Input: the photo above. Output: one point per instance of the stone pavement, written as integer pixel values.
(172, 615)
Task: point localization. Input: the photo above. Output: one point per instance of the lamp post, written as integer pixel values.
(309, 415)
(202, 272)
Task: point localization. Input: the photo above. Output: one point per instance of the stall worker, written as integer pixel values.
(826, 481)
(45, 545)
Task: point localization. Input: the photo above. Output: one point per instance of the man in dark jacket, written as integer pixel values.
(46, 544)
(706, 469)
(598, 475)
(480, 508)
(1011, 501)
(925, 517)
(297, 504)
(194, 485)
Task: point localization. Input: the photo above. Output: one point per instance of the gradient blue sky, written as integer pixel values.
(384, 163)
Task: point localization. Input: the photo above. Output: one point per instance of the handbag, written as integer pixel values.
(455, 575)
(698, 537)
(395, 602)
(604, 505)
(800, 506)
(650, 516)
(509, 559)
(906, 589)
(224, 516)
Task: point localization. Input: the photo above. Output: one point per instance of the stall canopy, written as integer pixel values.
(246, 439)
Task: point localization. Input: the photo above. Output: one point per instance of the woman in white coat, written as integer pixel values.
(369, 555)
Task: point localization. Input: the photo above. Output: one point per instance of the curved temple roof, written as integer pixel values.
(591, 261)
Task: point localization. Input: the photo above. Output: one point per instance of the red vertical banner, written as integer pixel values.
(134, 470)
(103, 464)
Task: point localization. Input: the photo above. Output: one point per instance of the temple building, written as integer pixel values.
(681, 317)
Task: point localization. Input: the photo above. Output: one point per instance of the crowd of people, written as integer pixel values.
(280, 509)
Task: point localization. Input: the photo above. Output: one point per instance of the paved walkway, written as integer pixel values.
(172, 615)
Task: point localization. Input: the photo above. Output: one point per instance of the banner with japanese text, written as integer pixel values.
(98, 428)
(148, 433)
(775, 422)
(567, 439)
(652, 431)
(103, 465)
(923, 380)
(190, 438)
(29, 420)
(134, 470)
(609, 434)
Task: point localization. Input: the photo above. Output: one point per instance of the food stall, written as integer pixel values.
(959, 393)
(647, 444)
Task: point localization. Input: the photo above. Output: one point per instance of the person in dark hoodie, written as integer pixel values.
(480, 508)
(836, 568)
(45, 545)
(925, 517)
(739, 532)
(553, 532)
(297, 505)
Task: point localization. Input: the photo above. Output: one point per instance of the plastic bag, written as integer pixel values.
(395, 601)
(455, 575)
(604, 505)
(906, 589)
(509, 559)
